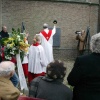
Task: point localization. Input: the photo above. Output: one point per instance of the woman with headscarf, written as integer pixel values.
(50, 87)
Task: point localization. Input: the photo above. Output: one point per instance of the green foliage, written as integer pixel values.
(14, 44)
(22, 55)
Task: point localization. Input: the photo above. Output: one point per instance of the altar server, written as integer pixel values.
(37, 60)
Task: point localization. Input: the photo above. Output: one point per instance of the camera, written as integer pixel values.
(78, 32)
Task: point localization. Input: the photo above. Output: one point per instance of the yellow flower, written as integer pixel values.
(23, 44)
(12, 45)
(10, 39)
(6, 42)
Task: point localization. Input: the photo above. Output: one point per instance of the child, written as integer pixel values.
(37, 60)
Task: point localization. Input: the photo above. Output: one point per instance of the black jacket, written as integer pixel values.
(4, 35)
(85, 77)
(49, 89)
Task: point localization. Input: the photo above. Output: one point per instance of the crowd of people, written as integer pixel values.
(45, 75)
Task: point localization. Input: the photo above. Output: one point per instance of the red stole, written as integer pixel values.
(36, 44)
(47, 35)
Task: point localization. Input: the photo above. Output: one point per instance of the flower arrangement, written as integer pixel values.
(14, 44)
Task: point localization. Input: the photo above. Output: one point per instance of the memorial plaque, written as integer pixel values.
(57, 37)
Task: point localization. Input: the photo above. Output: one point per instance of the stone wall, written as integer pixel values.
(70, 16)
(0, 14)
(94, 1)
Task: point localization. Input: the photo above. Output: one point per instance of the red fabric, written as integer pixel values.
(2, 54)
(13, 60)
(28, 98)
(36, 44)
(2, 48)
(31, 76)
(47, 35)
(25, 69)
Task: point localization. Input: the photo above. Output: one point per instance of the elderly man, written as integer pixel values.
(7, 89)
(46, 36)
(4, 32)
(85, 75)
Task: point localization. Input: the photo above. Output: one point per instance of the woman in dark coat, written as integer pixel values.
(85, 75)
(50, 87)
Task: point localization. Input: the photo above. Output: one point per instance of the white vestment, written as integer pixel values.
(48, 44)
(37, 60)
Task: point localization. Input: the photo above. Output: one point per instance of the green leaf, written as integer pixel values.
(18, 31)
(2, 40)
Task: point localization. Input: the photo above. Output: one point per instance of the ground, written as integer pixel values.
(69, 65)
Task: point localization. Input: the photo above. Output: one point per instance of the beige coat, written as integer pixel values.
(7, 90)
(81, 39)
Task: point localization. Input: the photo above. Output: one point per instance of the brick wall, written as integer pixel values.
(71, 17)
(94, 1)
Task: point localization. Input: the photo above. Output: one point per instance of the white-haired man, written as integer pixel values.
(46, 36)
(7, 89)
(85, 75)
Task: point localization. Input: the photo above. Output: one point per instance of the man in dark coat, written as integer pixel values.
(4, 33)
(85, 75)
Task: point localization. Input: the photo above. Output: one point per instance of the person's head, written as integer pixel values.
(56, 70)
(36, 39)
(95, 43)
(45, 25)
(83, 31)
(4, 28)
(7, 69)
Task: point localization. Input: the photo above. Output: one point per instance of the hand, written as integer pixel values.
(79, 34)
(55, 21)
(27, 35)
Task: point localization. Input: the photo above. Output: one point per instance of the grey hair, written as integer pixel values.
(95, 43)
(45, 25)
(4, 27)
(6, 67)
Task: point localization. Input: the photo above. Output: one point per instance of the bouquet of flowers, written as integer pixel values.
(14, 44)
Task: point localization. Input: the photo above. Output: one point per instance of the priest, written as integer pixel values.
(46, 36)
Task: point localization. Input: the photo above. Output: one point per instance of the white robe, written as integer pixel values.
(37, 60)
(48, 45)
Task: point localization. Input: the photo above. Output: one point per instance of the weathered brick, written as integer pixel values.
(70, 17)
